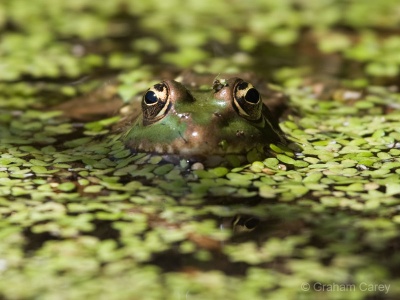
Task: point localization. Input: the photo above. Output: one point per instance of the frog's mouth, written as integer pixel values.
(210, 152)
(192, 140)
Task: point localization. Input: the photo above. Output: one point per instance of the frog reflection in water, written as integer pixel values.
(227, 118)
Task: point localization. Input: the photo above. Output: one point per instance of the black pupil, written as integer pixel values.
(150, 97)
(252, 96)
(252, 223)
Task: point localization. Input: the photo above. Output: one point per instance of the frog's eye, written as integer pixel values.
(247, 100)
(155, 103)
(150, 98)
(243, 223)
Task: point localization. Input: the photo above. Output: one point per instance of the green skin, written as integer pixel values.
(204, 122)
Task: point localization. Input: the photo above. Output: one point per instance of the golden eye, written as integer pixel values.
(247, 100)
(155, 103)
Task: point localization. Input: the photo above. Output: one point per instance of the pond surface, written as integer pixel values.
(84, 216)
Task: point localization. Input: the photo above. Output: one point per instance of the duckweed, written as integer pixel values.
(84, 217)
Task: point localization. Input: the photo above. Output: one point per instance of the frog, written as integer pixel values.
(194, 120)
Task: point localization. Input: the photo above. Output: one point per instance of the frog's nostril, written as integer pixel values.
(217, 115)
(240, 133)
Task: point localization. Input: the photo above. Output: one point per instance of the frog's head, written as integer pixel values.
(227, 118)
